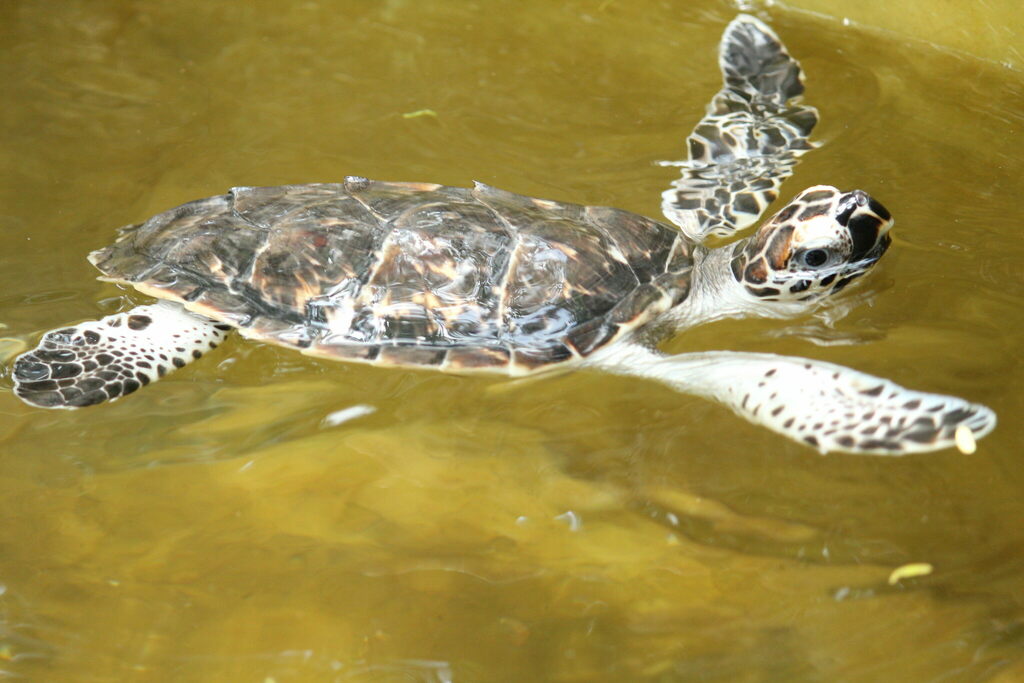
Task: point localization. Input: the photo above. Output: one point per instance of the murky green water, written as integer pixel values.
(220, 527)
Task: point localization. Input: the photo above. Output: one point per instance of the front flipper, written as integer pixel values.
(826, 406)
(748, 142)
(102, 360)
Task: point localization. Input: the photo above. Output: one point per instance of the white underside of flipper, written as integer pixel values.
(826, 406)
(102, 360)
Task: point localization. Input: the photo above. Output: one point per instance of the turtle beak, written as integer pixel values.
(868, 223)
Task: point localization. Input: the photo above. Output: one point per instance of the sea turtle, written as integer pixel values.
(468, 280)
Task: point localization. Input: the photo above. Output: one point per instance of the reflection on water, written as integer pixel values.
(264, 516)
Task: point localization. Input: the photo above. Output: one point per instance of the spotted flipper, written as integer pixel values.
(102, 360)
(828, 407)
(748, 142)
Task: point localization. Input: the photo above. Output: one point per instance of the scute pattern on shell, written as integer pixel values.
(409, 273)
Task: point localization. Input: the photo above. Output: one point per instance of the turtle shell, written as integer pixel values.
(408, 273)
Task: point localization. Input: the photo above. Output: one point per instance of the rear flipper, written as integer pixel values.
(102, 360)
(750, 139)
(826, 406)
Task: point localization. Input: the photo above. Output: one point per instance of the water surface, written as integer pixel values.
(229, 524)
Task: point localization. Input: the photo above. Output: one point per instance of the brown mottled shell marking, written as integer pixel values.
(409, 274)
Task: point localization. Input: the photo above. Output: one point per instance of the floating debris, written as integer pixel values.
(418, 113)
(570, 518)
(965, 440)
(909, 571)
(345, 414)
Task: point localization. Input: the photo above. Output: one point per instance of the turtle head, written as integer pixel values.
(813, 247)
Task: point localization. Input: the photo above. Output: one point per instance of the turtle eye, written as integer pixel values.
(815, 258)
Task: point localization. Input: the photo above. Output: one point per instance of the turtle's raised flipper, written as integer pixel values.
(826, 406)
(749, 140)
(102, 360)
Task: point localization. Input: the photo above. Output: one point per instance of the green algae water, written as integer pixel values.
(263, 516)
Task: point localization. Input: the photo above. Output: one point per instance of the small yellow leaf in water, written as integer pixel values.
(517, 631)
(418, 113)
(965, 440)
(909, 571)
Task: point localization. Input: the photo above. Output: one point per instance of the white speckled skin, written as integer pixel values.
(102, 360)
(826, 406)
